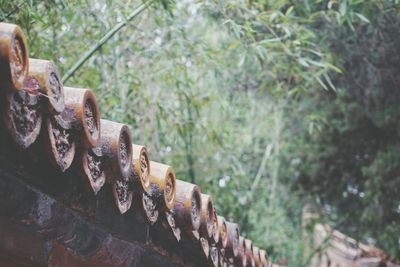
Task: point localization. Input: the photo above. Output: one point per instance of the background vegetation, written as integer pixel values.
(268, 105)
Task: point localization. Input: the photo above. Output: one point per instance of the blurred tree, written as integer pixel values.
(350, 162)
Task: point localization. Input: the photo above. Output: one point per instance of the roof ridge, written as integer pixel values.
(78, 141)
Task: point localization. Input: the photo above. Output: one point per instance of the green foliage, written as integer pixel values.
(350, 165)
(267, 105)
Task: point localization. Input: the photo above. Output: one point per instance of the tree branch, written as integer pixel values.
(105, 38)
(18, 7)
(261, 169)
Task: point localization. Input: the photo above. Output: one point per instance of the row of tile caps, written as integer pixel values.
(68, 120)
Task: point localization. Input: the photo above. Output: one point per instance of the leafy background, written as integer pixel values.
(267, 105)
